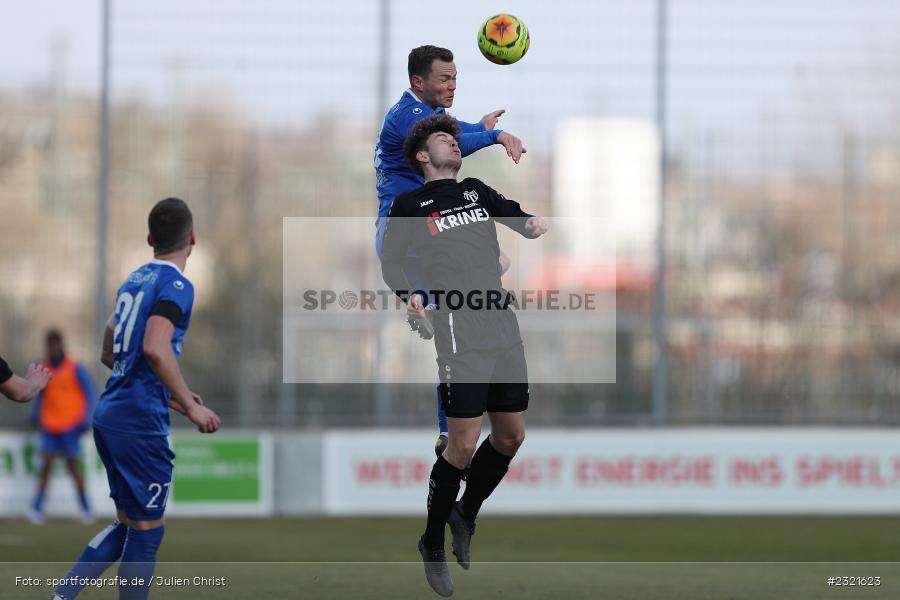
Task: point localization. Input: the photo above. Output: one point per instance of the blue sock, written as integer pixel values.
(442, 418)
(102, 551)
(82, 497)
(138, 561)
(38, 503)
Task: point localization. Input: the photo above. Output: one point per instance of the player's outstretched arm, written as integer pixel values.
(509, 213)
(158, 352)
(24, 389)
(536, 226)
(471, 142)
(466, 127)
(513, 145)
(489, 121)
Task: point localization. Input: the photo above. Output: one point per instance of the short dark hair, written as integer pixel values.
(54, 335)
(421, 131)
(420, 59)
(170, 224)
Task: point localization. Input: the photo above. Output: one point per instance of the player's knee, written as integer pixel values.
(508, 442)
(460, 453)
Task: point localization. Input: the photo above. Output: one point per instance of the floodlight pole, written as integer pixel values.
(381, 398)
(102, 304)
(660, 365)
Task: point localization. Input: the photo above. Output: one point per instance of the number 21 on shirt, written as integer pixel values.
(127, 309)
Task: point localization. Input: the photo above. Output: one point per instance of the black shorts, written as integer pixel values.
(476, 381)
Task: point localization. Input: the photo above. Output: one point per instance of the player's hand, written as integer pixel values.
(505, 262)
(415, 307)
(536, 226)
(490, 120)
(206, 420)
(176, 406)
(513, 145)
(38, 376)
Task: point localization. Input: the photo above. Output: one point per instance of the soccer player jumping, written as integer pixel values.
(432, 87)
(141, 345)
(451, 227)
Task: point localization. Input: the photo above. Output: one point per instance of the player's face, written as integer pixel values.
(54, 350)
(443, 151)
(440, 85)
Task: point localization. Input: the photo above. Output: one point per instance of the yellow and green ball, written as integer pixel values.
(503, 39)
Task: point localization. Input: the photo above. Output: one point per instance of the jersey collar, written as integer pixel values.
(156, 261)
(437, 109)
(413, 94)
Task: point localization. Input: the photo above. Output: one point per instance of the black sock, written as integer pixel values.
(488, 468)
(442, 490)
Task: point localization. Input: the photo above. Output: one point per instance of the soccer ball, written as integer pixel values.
(503, 39)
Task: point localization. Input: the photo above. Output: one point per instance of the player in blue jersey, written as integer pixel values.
(141, 345)
(432, 87)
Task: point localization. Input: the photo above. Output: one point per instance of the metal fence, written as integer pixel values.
(782, 179)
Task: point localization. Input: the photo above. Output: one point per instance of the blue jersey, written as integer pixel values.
(135, 401)
(392, 175)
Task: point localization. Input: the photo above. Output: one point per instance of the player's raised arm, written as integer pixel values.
(513, 145)
(158, 352)
(466, 127)
(476, 136)
(23, 389)
(489, 121)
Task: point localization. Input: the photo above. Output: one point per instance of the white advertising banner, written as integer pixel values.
(702, 470)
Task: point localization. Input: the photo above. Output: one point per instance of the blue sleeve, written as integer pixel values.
(472, 142)
(469, 141)
(87, 386)
(179, 291)
(470, 127)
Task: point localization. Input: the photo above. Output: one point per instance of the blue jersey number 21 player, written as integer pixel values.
(142, 342)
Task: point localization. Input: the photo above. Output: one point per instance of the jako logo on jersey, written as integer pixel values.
(179, 285)
(417, 110)
(426, 203)
(436, 223)
(470, 196)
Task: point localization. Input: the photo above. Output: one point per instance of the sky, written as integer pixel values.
(751, 74)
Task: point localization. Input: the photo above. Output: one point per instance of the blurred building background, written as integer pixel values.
(782, 204)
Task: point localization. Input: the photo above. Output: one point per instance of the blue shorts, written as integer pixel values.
(67, 443)
(139, 470)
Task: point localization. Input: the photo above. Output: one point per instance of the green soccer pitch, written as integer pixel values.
(518, 557)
